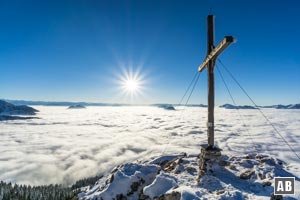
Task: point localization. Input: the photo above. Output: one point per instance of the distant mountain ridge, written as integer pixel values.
(59, 103)
(78, 106)
(279, 106)
(67, 103)
(229, 106)
(11, 109)
(169, 104)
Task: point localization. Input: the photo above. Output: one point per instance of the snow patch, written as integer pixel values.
(127, 180)
(161, 185)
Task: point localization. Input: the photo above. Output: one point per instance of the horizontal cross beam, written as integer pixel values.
(216, 51)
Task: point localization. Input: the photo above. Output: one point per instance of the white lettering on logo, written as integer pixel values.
(280, 186)
(288, 186)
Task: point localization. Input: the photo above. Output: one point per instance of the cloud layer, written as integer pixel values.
(66, 145)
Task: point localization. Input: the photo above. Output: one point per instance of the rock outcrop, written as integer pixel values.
(174, 177)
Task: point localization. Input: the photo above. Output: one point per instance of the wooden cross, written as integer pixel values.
(209, 63)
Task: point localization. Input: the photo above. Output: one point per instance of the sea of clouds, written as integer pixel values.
(65, 145)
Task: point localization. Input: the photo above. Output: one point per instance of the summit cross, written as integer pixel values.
(209, 64)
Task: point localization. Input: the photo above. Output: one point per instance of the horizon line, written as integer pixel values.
(131, 104)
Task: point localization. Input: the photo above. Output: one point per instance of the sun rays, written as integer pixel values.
(131, 83)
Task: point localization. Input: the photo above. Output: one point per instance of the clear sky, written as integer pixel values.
(78, 50)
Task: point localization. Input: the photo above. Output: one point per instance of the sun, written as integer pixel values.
(131, 82)
(131, 85)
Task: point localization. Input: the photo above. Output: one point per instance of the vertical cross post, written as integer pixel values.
(209, 64)
(210, 154)
(211, 85)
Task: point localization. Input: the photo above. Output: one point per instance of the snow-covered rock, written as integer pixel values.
(126, 181)
(10, 109)
(161, 185)
(175, 177)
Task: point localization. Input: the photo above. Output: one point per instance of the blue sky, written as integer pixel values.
(77, 50)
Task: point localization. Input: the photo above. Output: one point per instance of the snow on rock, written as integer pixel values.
(162, 183)
(10, 109)
(174, 177)
(166, 158)
(126, 181)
